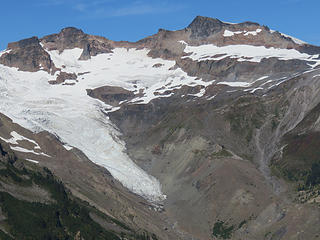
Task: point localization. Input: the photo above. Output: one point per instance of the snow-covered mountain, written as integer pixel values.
(182, 118)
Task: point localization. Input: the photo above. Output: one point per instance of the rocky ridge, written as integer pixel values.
(222, 137)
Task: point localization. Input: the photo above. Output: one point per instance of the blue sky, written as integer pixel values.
(133, 20)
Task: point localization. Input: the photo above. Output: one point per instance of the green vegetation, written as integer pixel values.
(145, 236)
(63, 218)
(313, 177)
(4, 236)
(10, 173)
(242, 224)
(300, 160)
(221, 230)
(245, 115)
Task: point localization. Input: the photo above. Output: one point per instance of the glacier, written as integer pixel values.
(79, 120)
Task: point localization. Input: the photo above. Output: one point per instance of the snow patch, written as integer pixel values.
(24, 150)
(183, 42)
(5, 51)
(243, 53)
(199, 94)
(254, 33)
(262, 78)
(67, 147)
(235, 84)
(30, 160)
(255, 89)
(17, 137)
(296, 40)
(211, 98)
(228, 33)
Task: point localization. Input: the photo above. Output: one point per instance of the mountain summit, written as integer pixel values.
(208, 132)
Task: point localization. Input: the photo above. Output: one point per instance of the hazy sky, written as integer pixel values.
(133, 20)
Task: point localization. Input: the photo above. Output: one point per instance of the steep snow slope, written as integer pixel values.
(79, 120)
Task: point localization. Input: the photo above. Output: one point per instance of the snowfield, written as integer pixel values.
(79, 120)
(244, 53)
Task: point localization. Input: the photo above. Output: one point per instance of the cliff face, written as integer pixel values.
(215, 126)
(27, 55)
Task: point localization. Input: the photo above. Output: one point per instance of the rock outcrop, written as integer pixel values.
(27, 55)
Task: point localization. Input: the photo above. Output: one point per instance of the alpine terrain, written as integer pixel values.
(209, 132)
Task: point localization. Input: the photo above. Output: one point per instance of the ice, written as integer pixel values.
(79, 120)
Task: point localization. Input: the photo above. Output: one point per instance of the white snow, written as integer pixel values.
(229, 23)
(199, 94)
(255, 89)
(17, 137)
(24, 150)
(262, 78)
(235, 84)
(79, 120)
(126, 68)
(67, 147)
(296, 40)
(228, 33)
(254, 33)
(243, 53)
(5, 51)
(183, 42)
(211, 98)
(33, 161)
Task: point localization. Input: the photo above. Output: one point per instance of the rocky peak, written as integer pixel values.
(205, 30)
(71, 31)
(68, 38)
(71, 37)
(29, 42)
(27, 55)
(202, 27)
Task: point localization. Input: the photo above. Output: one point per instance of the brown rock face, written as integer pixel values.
(27, 55)
(110, 95)
(202, 27)
(68, 38)
(62, 76)
(71, 37)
